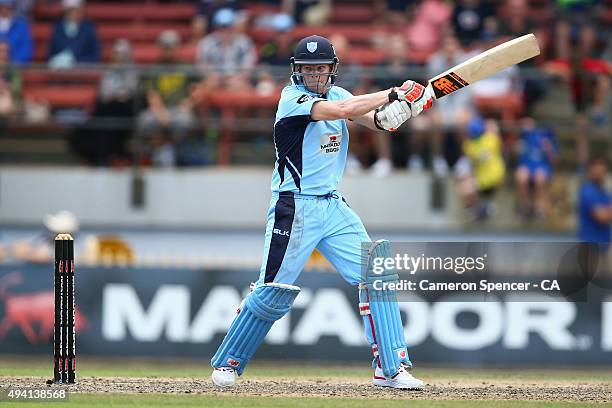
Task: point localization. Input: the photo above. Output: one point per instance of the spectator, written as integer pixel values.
(208, 8)
(39, 249)
(395, 70)
(2, 253)
(168, 116)
(98, 143)
(394, 12)
(503, 83)
(15, 30)
(10, 86)
(352, 79)
(308, 12)
(580, 61)
(469, 19)
(198, 30)
(265, 84)
(120, 80)
(595, 204)
(279, 50)
(583, 68)
(516, 22)
(74, 39)
(538, 150)
(24, 7)
(482, 170)
(447, 114)
(425, 31)
(225, 51)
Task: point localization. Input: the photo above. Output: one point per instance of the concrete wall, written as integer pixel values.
(202, 198)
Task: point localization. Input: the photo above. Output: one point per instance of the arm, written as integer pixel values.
(590, 203)
(602, 214)
(156, 104)
(349, 108)
(396, 106)
(366, 120)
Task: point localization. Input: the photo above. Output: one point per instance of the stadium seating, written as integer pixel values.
(142, 22)
(63, 96)
(135, 11)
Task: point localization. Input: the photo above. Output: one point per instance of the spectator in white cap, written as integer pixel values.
(208, 8)
(15, 31)
(39, 249)
(74, 38)
(226, 51)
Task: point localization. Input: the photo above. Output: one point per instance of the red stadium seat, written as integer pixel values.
(606, 15)
(355, 34)
(541, 15)
(365, 55)
(187, 53)
(352, 14)
(258, 9)
(41, 31)
(228, 102)
(229, 99)
(63, 96)
(122, 12)
(89, 76)
(150, 53)
(420, 56)
(262, 35)
(139, 32)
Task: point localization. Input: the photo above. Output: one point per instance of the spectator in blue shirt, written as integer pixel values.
(595, 205)
(74, 39)
(15, 31)
(538, 150)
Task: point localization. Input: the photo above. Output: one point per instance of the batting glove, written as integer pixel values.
(391, 115)
(416, 95)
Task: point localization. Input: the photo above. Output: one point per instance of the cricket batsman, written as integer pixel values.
(306, 212)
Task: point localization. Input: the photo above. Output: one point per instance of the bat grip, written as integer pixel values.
(431, 90)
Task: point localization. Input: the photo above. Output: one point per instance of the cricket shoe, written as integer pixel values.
(224, 376)
(402, 379)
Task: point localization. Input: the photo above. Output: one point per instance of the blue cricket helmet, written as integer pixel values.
(314, 50)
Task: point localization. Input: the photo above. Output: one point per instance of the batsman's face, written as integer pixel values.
(315, 77)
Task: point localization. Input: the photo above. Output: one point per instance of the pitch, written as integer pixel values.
(143, 383)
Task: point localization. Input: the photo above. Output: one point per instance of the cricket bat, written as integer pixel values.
(485, 64)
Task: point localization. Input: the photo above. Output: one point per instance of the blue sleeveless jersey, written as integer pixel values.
(310, 155)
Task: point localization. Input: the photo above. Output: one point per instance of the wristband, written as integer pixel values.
(392, 95)
(376, 121)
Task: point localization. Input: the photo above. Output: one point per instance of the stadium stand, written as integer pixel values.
(361, 22)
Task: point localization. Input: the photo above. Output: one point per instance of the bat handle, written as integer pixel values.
(431, 90)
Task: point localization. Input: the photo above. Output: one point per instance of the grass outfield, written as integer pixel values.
(196, 390)
(12, 366)
(157, 400)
